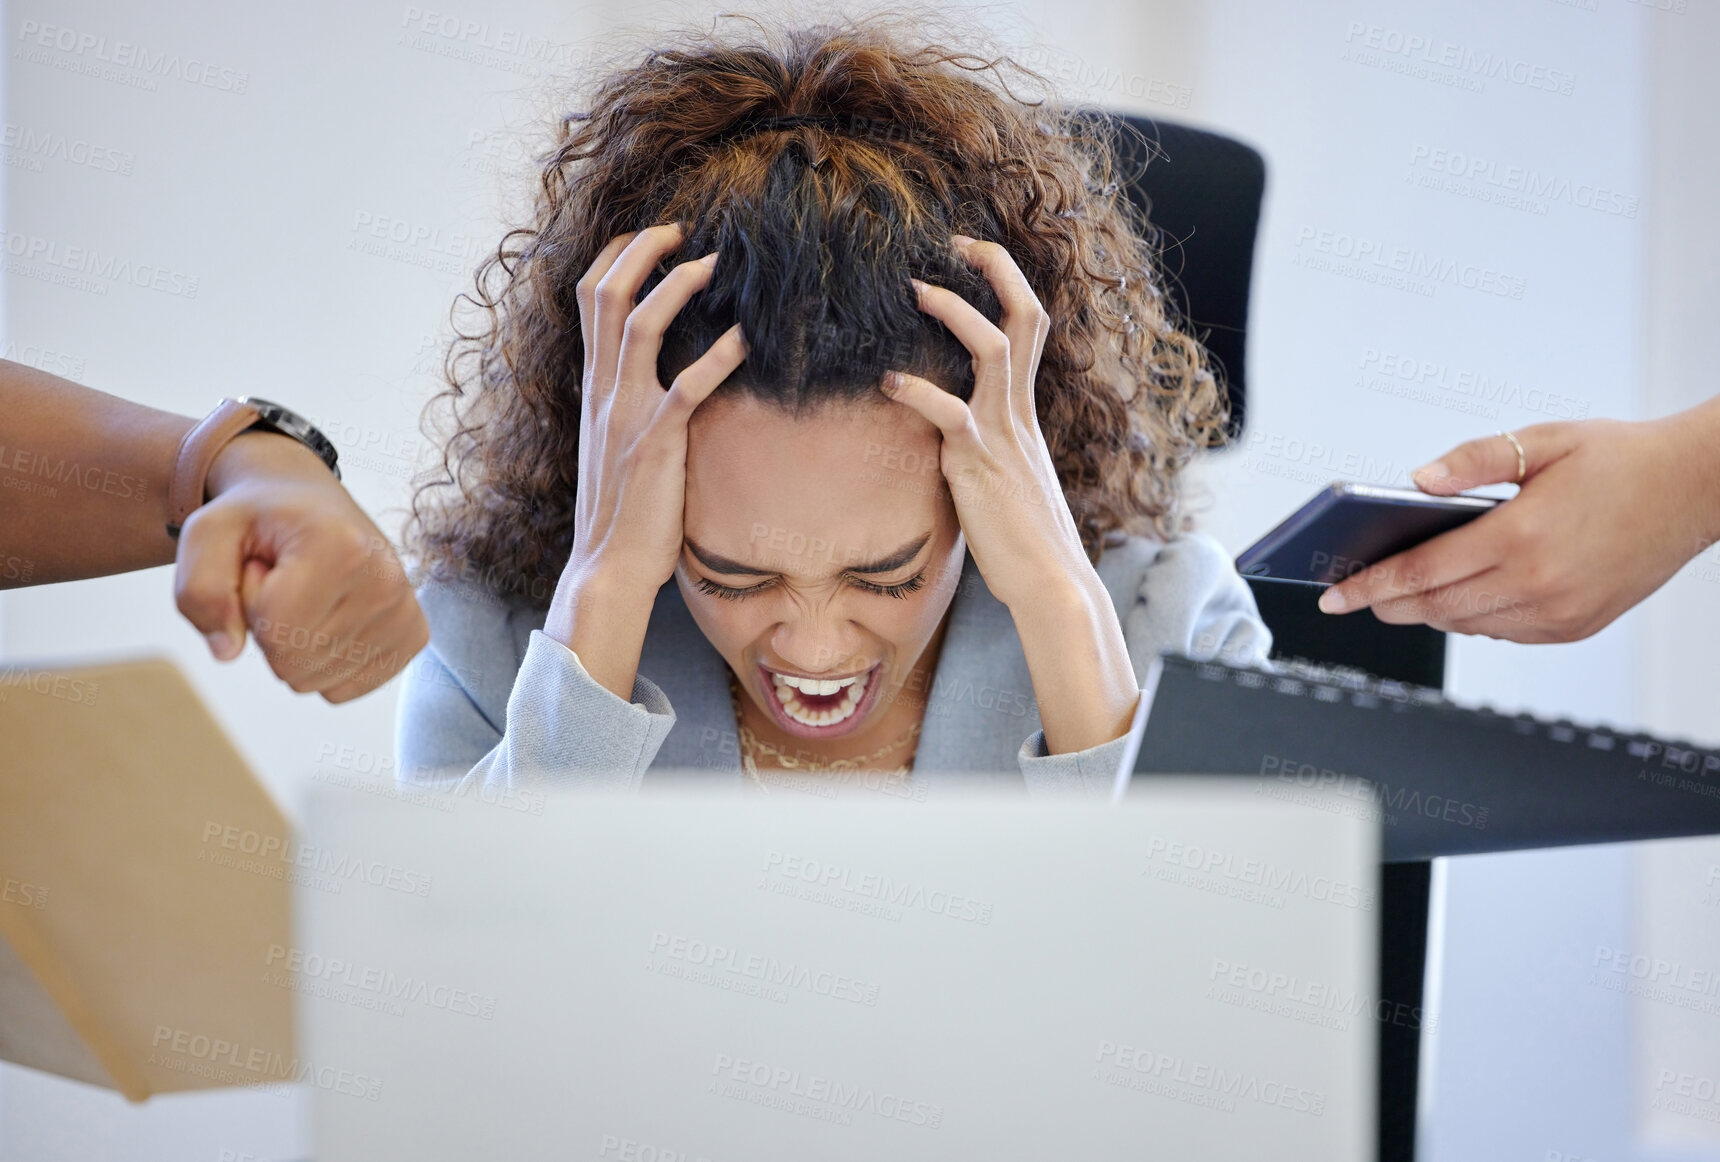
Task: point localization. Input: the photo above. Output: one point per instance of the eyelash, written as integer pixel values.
(729, 593)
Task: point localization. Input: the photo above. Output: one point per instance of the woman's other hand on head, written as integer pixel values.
(632, 449)
(1607, 511)
(1011, 506)
(994, 457)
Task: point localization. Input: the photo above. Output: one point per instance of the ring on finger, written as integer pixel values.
(1522, 460)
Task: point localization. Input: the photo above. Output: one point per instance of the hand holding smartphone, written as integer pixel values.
(1347, 527)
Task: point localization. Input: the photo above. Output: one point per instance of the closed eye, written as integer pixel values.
(729, 592)
(900, 589)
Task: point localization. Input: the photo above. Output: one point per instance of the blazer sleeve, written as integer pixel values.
(469, 718)
(1187, 599)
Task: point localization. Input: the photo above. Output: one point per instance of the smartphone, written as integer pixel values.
(1347, 527)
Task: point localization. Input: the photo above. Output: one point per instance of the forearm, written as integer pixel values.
(84, 477)
(602, 618)
(1083, 681)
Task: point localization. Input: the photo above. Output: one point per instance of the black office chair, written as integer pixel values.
(1203, 194)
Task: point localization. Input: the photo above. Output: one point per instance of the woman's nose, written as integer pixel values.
(817, 644)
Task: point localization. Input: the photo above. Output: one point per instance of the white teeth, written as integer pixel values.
(812, 685)
(788, 687)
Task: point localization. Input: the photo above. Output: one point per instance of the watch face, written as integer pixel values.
(286, 421)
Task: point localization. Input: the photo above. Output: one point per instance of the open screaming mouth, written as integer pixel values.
(818, 701)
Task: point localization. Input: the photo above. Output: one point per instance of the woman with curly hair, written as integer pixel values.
(909, 500)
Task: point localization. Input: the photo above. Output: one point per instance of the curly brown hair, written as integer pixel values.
(820, 222)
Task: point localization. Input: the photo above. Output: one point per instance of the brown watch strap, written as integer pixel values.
(197, 451)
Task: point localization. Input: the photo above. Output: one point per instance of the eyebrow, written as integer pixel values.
(718, 563)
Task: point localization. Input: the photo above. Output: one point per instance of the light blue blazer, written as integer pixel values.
(493, 703)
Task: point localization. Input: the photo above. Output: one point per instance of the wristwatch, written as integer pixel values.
(199, 447)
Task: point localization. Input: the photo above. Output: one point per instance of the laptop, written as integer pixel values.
(713, 972)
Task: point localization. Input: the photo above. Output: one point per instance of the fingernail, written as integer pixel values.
(1431, 473)
(890, 382)
(221, 645)
(961, 239)
(920, 286)
(1332, 601)
(710, 259)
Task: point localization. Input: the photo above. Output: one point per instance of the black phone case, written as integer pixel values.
(1339, 533)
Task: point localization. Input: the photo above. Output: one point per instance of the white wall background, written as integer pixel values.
(352, 114)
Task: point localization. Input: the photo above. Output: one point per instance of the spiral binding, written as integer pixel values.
(1299, 677)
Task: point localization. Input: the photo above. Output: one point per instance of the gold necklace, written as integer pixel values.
(752, 744)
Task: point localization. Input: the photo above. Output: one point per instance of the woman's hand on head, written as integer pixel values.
(994, 456)
(1012, 510)
(632, 450)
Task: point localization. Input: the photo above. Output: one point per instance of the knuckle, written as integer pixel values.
(1369, 583)
(678, 399)
(1544, 583)
(201, 521)
(1558, 608)
(299, 679)
(1414, 569)
(1451, 603)
(639, 325)
(195, 593)
(610, 295)
(193, 601)
(347, 692)
(349, 548)
(1395, 609)
(1390, 612)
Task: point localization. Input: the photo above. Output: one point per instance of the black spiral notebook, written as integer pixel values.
(1442, 779)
